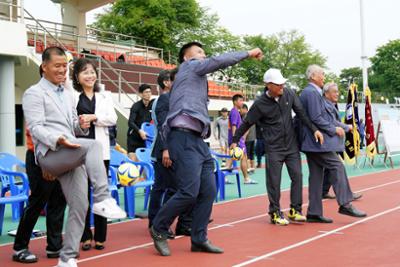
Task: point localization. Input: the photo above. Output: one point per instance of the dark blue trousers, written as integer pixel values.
(193, 169)
(163, 189)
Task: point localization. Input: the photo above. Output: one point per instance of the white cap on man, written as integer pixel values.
(274, 76)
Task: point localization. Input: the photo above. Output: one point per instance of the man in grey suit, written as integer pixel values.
(331, 96)
(53, 122)
(323, 156)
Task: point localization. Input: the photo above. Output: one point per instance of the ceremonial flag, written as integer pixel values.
(352, 143)
(369, 126)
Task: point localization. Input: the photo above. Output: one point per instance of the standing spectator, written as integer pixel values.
(250, 141)
(220, 131)
(235, 120)
(42, 192)
(331, 96)
(320, 157)
(140, 112)
(273, 111)
(99, 107)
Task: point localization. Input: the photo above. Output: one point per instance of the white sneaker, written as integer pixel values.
(69, 263)
(108, 208)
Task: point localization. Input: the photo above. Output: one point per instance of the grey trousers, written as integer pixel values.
(273, 169)
(317, 163)
(72, 168)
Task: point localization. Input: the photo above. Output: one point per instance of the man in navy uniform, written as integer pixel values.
(187, 124)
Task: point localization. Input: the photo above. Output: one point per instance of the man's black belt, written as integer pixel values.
(186, 130)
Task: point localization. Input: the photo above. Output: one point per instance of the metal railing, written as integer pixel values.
(47, 34)
(99, 44)
(50, 32)
(114, 36)
(117, 42)
(13, 11)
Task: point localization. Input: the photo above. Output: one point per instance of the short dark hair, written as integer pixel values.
(245, 106)
(79, 66)
(40, 71)
(172, 74)
(143, 87)
(236, 97)
(185, 47)
(54, 50)
(164, 75)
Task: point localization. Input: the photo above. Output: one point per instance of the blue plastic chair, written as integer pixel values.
(18, 194)
(117, 159)
(144, 155)
(150, 130)
(10, 163)
(222, 173)
(217, 173)
(113, 186)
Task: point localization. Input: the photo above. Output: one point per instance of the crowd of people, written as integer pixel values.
(69, 132)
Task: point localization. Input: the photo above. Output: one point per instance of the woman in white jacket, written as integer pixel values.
(98, 106)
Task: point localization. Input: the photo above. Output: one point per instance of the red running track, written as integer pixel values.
(242, 228)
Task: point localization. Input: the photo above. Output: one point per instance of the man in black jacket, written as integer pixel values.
(140, 112)
(273, 113)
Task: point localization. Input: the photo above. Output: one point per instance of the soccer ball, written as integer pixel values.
(128, 174)
(236, 153)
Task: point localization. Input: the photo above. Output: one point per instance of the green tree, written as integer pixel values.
(386, 68)
(159, 22)
(350, 75)
(287, 51)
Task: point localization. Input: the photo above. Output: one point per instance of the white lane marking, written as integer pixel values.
(212, 228)
(225, 202)
(306, 241)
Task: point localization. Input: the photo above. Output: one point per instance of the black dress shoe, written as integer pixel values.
(183, 231)
(160, 242)
(356, 196)
(24, 256)
(350, 210)
(99, 246)
(328, 196)
(206, 247)
(318, 219)
(86, 245)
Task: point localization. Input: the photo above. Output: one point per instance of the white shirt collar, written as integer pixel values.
(317, 87)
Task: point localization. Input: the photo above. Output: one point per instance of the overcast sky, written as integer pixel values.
(331, 26)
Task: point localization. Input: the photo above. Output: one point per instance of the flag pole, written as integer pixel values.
(364, 57)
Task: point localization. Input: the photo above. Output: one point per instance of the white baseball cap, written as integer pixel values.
(274, 76)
